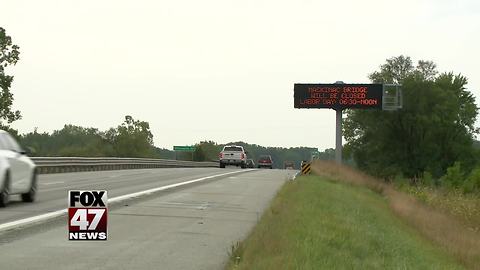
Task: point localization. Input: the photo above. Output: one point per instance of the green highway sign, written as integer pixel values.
(184, 148)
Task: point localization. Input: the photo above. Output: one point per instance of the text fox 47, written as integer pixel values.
(87, 215)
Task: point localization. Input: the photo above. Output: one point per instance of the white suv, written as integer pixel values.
(17, 171)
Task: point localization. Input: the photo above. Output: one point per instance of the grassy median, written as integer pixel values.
(315, 223)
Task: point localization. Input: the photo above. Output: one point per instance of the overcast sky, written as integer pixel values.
(219, 70)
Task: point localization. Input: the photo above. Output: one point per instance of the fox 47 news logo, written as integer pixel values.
(87, 215)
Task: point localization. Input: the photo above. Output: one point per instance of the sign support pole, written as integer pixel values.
(338, 136)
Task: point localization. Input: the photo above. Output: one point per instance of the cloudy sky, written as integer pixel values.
(216, 69)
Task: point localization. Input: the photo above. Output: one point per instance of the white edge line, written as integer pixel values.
(54, 214)
(52, 183)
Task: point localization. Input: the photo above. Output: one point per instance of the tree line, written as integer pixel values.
(132, 138)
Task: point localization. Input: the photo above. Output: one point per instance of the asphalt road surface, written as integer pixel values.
(192, 227)
(53, 188)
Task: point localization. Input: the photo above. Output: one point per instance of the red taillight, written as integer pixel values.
(242, 156)
(220, 155)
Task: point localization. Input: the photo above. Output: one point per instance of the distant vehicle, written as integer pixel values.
(265, 161)
(233, 155)
(250, 163)
(289, 165)
(17, 171)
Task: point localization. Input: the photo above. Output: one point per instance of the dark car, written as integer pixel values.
(250, 163)
(265, 161)
(289, 165)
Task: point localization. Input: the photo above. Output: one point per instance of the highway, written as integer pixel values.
(53, 188)
(191, 227)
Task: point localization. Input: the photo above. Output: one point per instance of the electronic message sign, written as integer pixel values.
(338, 96)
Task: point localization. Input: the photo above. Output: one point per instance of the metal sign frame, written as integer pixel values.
(392, 98)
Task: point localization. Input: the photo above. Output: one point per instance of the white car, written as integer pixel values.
(17, 171)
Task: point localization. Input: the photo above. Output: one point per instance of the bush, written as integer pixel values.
(454, 176)
(472, 184)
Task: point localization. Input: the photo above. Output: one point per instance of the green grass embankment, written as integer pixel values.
(314, 223)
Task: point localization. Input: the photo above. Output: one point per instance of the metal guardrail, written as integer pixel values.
(76, 164)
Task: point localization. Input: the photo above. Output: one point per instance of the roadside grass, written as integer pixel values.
(450, 224)
(465, 207)
(316, 223)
